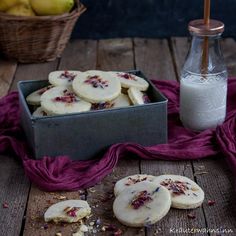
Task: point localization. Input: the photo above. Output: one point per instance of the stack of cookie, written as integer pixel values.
(142, 200)
(75, 91)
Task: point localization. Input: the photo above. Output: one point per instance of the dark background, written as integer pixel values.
(148, 18)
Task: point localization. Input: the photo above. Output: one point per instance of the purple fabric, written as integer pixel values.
(51, 174)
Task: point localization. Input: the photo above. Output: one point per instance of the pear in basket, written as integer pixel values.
(51, 7)
(21, 10)
(6, 4)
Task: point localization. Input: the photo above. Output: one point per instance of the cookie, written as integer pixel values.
(185, 193)
(34, 98)
(62, 78)
(130, 181)
(129, 80)
(96, 86)
(68, 211)
(122, 101)
(142, 204)
(39, 112)
(61, 100)
(137, 97)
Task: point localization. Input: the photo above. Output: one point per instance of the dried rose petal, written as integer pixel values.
(191, 216)
(102, 105)
(71, 211)
(177, 187)
(134, 181)
(96, 82)
(68, 97)
(127, 76)
(5, 205)
(211, 202)
(43, 90)
(140, 199)
(67, 75)
(146, 99)
(118, 232)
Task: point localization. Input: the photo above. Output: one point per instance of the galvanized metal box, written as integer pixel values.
(86, 135)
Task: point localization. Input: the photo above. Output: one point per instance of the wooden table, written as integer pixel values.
(157, 58)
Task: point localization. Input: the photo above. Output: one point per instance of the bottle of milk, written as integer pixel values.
(203, 82)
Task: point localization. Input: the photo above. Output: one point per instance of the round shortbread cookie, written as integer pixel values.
(67, 211)
(63, 78)
(39, 112)
(122, 101)
(185, 193)
(129, 80)
(137, 97)
(142, 204)
(96, 86)
(130, 181)
(61, 100)
(34, 98)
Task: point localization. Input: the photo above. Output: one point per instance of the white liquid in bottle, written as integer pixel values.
(203, 100)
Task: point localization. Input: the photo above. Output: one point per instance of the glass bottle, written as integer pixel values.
(203, 82)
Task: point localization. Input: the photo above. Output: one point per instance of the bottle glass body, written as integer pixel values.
(203, 87)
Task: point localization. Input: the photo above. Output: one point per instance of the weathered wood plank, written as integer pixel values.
(33, 72)
(7, 71)
(229, 51)
(14, 169)
(79, 55)
(220, 190)
(158, 60)
(218, 184)
(180, 48)
(13, 196)
(116, 54)
(29, 72)
(153, 57)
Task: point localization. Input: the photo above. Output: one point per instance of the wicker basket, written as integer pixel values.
(36, 38)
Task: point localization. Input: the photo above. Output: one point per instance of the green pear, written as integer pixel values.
(21, 10)
(6, 4)
(51, 7)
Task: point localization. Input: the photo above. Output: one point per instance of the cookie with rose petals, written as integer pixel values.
(68, 211)
(34, 98)
(62, 78)
(137, 97)
(130, 181)
(96, 86)
(185, 193)
(129, 80)
(122, 101)
(62, 100)
(142, 204)
(39, 112)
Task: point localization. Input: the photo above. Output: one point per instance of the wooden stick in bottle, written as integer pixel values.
(207, 10)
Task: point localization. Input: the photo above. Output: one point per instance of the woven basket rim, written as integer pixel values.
(79, 9)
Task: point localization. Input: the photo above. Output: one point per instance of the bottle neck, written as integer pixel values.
(205, 55)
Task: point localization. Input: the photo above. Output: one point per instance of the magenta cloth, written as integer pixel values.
(61, 173)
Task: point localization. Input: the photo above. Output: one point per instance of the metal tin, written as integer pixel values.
(87, 135)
